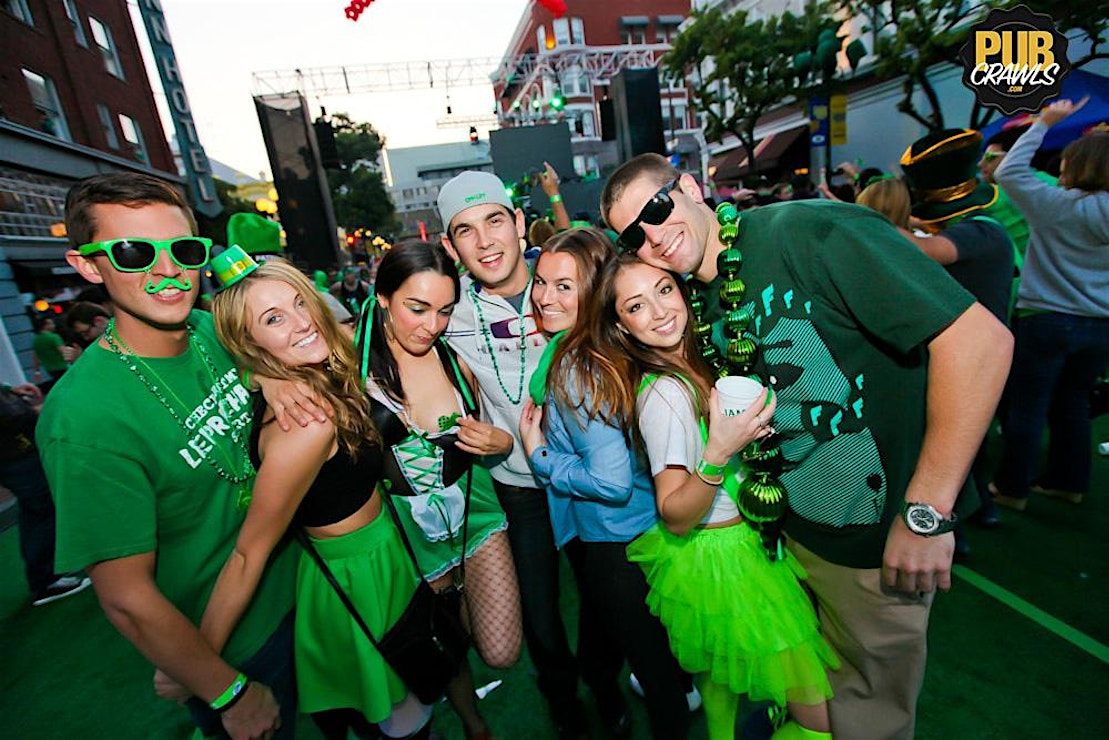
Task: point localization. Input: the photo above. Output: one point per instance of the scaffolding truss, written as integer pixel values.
(599, 63)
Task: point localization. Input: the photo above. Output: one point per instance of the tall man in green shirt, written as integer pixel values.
(143, 444)
(887, 374)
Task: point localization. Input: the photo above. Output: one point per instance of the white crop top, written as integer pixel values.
(672, 436)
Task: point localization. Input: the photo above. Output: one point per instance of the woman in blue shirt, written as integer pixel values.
(601, 497)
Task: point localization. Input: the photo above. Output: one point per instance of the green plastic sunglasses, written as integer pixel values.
(139, 255)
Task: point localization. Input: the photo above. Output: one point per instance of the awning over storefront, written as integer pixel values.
(732, 165)
(44, 268)
(634, 20)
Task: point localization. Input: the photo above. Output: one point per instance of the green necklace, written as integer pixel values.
(761, 496)
(140, 368)
(479, 316)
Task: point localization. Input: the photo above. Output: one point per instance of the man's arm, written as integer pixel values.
(967, 367)
(134, 605)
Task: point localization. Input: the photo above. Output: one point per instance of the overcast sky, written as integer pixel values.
(219, 43)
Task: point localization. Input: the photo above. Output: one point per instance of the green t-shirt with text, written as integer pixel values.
(843, 308)
(127, 479)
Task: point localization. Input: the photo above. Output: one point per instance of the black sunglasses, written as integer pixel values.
(656, 210)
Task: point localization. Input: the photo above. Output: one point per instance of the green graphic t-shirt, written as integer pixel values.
(127, 479)
(843, 309)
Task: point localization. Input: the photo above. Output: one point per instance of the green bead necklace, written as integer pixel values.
(243, 479)
(479, 316)
(761, 496)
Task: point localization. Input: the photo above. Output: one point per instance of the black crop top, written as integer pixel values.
(456, 462)
(341, 487)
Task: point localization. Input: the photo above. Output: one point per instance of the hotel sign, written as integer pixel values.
(198, 171)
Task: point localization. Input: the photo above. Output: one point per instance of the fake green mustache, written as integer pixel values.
(168, 283)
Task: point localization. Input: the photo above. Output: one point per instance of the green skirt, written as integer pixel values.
(336, 665)
(732, 613)
(437, 556)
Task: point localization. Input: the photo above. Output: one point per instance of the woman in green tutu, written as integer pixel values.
(424, 402)
(740, 622)
(322, 478)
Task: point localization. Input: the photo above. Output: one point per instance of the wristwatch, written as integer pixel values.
(923, 519)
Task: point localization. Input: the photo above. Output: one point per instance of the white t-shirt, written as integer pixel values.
(672, 436)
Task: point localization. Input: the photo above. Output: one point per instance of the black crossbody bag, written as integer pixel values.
(428, 643)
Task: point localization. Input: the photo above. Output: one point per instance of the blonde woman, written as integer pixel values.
(323, 478)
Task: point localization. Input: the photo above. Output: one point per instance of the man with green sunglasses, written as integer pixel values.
(144, 448)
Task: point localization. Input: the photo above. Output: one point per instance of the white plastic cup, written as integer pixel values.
(737, 393)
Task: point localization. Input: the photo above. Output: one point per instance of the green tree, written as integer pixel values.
(910, 36)
(914, 35)
(358, 190)
(1091, 17)
(742, 68)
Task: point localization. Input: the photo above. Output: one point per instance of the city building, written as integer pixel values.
(560, 69)
(75, 101)
(413, 176)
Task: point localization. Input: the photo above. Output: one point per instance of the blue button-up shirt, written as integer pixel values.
(597, 488)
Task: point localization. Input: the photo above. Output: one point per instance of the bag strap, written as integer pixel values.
(306, 543)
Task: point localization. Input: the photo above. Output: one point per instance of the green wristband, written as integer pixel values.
(556, 198)
(709, 470)
(231, 694)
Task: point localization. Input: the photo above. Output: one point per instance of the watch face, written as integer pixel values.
(922, 520)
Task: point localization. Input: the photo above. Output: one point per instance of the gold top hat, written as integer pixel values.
(941, 171)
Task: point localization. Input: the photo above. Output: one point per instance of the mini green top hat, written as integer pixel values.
(941, 170)
(232, 265)
(255, 234)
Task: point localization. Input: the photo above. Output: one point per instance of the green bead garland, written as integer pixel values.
(762, 498)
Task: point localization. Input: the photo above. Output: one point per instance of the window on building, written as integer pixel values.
(132, 134)
(575, 83)
(20, 10)
(108, 125)
(102, 35)
(679, 115)
(676, 82)
(541, 38)
(633, 35)
(44, 96)
(577, 30)
(562, 31)
(588, 126)
(75, 19)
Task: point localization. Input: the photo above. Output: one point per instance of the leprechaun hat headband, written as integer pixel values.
(941, 170)
(232, 265)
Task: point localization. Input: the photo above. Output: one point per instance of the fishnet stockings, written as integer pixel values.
(492, 599)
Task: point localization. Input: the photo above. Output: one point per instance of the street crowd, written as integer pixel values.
(754, 427)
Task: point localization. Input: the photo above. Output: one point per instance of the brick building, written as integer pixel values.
(75, 101)
(573, 58)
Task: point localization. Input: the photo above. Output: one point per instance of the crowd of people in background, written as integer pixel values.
(331, 472)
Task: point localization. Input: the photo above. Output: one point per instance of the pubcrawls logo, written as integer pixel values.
(1014, 60)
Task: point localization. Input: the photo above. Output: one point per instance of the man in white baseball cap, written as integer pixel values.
(494, 330)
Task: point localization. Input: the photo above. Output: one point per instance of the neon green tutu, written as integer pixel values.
(336, 666)
(732, 613)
